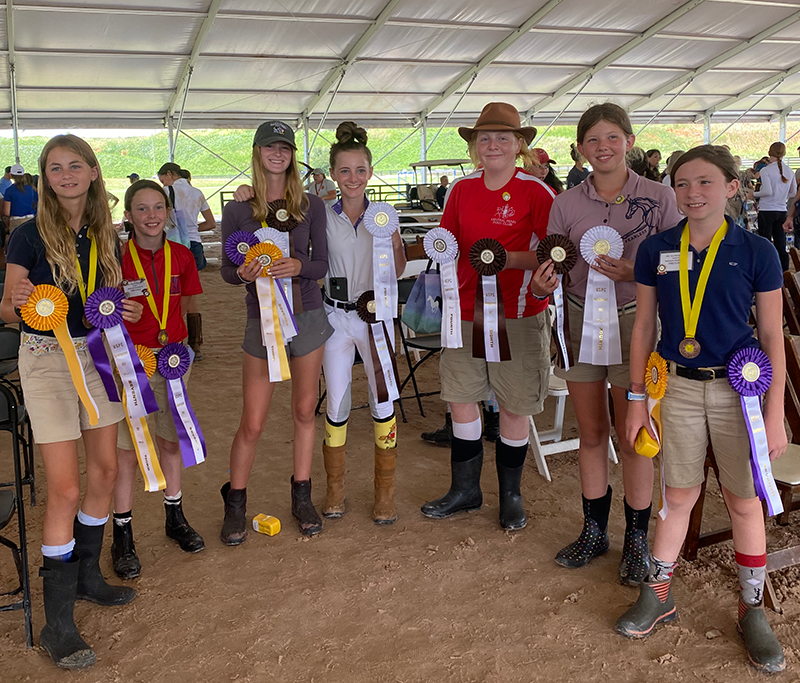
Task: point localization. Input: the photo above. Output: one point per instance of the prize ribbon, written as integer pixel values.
(489, 336)
(238, 244)
(284, 242)
(173, 362)
(381, 221)
(46, 310)
(274, 312)
(655, 382)
(750, 374)
(562, 252)
(278, 216)
(103, 310)
(441, 247)
(600, 342)
(384, 365)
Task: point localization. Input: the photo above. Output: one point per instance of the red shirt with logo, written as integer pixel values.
(516, 215)
(184, 281)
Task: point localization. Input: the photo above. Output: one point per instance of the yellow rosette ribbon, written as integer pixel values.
(655, 381)
(46, 310)
(140, 433)
(269, 303)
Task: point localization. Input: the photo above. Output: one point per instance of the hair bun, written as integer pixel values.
(350, 130)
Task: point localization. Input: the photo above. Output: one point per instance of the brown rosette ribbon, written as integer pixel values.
(564, 254)
(489, 335)
(384, 365)
(278, 216)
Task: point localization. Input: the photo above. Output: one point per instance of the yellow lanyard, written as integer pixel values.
(151, 300)
(92, 272)
(691, 309)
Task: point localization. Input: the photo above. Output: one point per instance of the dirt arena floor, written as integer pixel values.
(420, 601)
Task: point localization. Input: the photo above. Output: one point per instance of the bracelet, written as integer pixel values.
(540, 298)
(18, 312)
(632, 396)
(247, 282)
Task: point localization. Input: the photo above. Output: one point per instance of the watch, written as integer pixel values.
(633, 396)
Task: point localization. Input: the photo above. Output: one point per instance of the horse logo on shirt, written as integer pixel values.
(504, 215)
(648, 224)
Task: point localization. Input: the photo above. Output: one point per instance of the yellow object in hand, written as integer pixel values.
(645, 444)
(266, 524)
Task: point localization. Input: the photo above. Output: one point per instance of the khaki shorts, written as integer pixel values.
(618, 375)
(313, 330)
(161, 423)
(520, 384)
(51, 399)
(693, 411)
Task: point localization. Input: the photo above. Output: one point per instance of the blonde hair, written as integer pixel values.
(52, 221)
(524, 152)
(296, 200)
(778, 150)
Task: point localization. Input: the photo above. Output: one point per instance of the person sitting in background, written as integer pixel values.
(20, 199)
(322, 187)
(542, 168)
(133, 177)
(441, 191)
(578, 173)
(653, 160)
(636, 160)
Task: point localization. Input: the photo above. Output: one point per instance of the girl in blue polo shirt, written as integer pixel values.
(701, 277)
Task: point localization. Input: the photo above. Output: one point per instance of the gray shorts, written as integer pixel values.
(313, 330)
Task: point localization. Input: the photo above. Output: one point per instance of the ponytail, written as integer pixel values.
(778, 150)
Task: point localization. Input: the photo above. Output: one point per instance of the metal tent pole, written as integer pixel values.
(171, 132)
(12, 75)
(306, 150)
(423, 148)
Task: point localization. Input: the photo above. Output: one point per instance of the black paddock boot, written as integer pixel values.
(123, 552)
(593, 540)
(512, 514)
(60, 637)
(178, 529)
(635, 564)
(91, 584)
(303, 509)
(442, 436)
(234, 526)
(465, 490)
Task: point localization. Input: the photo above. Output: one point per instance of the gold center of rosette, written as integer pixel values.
(487, 256)
(107, 307)
(558, 254)
(602, 247)
(45, 307)
(174, 361)
(751, 372)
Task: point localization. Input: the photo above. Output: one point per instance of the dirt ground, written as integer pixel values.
(423, 600)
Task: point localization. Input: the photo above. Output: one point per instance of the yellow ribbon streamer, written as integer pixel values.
(92, 272)
(691, 309)
(152, 474)
(151, 300)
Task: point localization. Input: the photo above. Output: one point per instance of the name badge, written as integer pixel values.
(670, 262)
(134, 288)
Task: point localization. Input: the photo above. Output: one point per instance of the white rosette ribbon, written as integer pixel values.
(442, 248)
(381, 221)
(284, 303)
(600, 339)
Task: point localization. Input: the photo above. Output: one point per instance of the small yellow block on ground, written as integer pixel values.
(266, 524)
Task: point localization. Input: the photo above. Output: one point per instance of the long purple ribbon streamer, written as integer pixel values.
(184, 440)
(148, 397)
(97, 349)
(285, 299)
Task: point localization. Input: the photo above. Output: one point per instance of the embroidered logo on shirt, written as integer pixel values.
(733, 263)
(648, 223)
(503, 215)
(174, 285)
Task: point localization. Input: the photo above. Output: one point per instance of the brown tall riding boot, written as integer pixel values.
(384, 512)
(194, 326)
(334, 468)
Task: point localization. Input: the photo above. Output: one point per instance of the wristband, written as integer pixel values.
(247, 282)
(540, 298)
(632, 396)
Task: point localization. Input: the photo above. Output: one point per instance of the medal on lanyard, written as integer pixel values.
(689, 346)
(163, 337)
(92, 277)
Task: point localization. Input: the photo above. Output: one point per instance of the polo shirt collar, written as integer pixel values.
(733, 237)
(628, 190)
(337, 207)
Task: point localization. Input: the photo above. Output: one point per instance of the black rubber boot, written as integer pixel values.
(234, 526)
(635, 564)
(465, 490)
(123, 552)
(512, 514)
(654, 606)
(60, 637)
(491, 425)
(178, 529)
(593, 540)
(303, 509)
(442, 436)
(763, 649)
(91, 584)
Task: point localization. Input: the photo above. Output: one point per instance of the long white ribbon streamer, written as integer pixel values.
(387, 369)
(760, 452)
(127, 373)
(147, 457)
(558, 299)
(384, 279)
(178, 390)
(600, 341)
(491, 319)
(265, 291)
(451, 306)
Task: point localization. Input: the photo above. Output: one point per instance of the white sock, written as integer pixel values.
(58, 550)
(468, 431)
(173, 500)
(87, 520)
(514, 442)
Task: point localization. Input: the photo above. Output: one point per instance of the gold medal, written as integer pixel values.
(689, 348)
(487, 256)
(372, 306)
(601, 247)
(506, 196)
(163, 337)
(282, 215)
(161, 319)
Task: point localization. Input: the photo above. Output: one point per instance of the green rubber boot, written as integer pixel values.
(654, 606)
(763, 649)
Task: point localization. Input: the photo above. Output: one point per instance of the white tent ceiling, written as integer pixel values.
(127, 63)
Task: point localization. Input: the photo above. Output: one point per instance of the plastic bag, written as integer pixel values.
(178, 232)
(423, 310)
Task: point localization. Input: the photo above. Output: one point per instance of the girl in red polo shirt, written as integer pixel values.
(144, 272)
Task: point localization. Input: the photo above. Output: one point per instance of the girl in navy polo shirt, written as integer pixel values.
(72, 245)
(144, 268)
(710, 266)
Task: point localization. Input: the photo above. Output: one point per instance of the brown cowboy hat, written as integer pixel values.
(499, 116)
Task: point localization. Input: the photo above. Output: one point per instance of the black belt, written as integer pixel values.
(344, 305)
(700, 374)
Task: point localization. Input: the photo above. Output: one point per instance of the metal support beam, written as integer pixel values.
(490, 56)
(782, 128)
(12, 75)
(716, 61)
(745, 113)
(423, 148)
(306, 150)
(706, 130)
(615, 55)
(777, 79)
(338, 73)
(171, 132)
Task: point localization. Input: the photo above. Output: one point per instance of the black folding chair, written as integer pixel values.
(11, 502)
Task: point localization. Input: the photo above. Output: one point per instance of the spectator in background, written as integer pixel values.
(542, 168)
(653, 160)
(20, 199)
(636, 160)
(666, 178)
(5, 181)
(778, 186)
(441, 191)
(323, 188)
(133, 177)
(797, 172)
(578, 173)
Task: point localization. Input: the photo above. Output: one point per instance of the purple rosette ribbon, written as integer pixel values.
(238, 244)
(103, 310)
(750, 374)
(173, 363)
